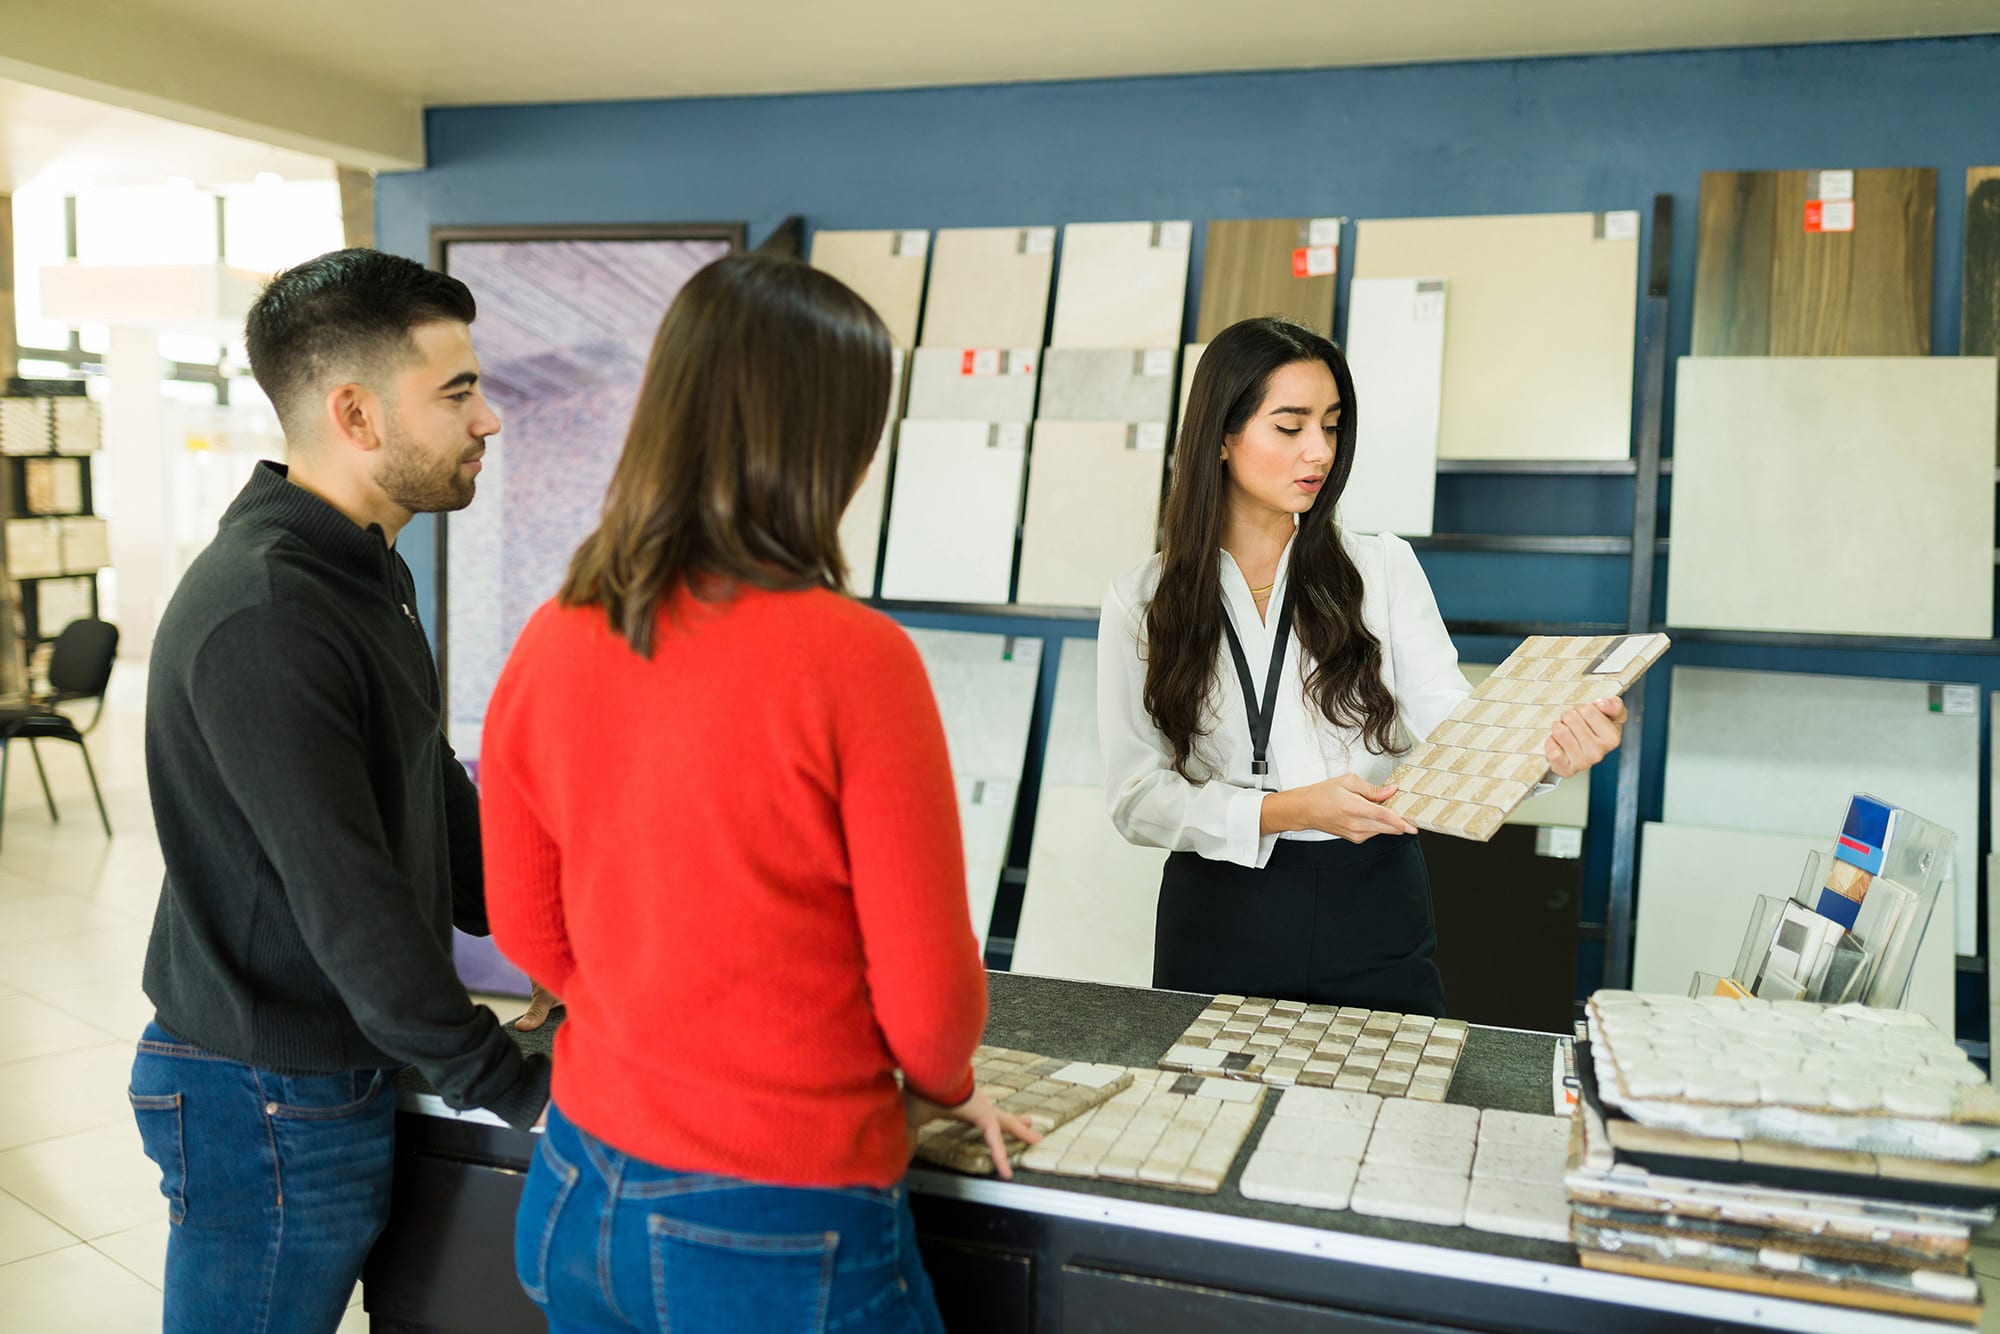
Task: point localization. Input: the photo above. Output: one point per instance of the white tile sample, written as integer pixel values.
(1834, 495)
(1107, 384)
(79, 426)
(1435, 1153)
(1524, 1129)
(885, 267)
(1088, 910)
(989, 287)
(954, 512)
(1306, 1180)
(1519, 1209)
(1395, 349)
(986, 823)
(1538, 350)
(1400, 1117)
(1410, 1194)
(973, 384)
(1329, 1105)
(985, 690)
(1783, 752)
(1567, 806)
(1093, 508)
(1324, 1139)
(1121, 284)
(86, 545)
(34, 548)
(54, 486)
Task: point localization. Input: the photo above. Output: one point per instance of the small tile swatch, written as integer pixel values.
(1044, 1091)
(1321, 1046)
(1180, 1132)
(26, 426)
(1480, 763)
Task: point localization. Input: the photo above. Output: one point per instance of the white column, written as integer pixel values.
(141, 484)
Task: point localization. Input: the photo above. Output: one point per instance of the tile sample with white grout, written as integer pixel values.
(1179, 1132)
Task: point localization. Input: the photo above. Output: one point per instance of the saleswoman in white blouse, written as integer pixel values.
(1257, 680)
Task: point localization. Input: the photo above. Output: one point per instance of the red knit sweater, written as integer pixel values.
(739, 865)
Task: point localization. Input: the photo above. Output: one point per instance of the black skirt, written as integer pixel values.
(1333, 923)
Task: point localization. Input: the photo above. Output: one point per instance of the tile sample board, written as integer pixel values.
(861, 523)
(885, 267)
(54, 486)
(1814, 263)
(973, 384)
(1567, 805)
(989, 287)
(1107, 384)
(1774, 527)
(1269, 266)
(60, 601)
(1539, 346)
(1093, 508)
(1979, 318)
(1509, 888)
(86, 545)
(1311, 1148)
(1395, 349)
(1176, 1132)
(1122, 284)
(79, 426)
(1043, 1091)
(1482, 761)
(1088, 910)
(1190, 359)
(26, 426)
(34, 548)
(1783, 752)
(1320, 1046)
(954, 511)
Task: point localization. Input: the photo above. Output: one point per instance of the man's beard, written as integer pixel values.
(422, 483)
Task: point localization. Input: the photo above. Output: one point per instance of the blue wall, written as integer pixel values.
(1499, 137)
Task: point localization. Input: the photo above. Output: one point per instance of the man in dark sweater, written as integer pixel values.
(320, 837)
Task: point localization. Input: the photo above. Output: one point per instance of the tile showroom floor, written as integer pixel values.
(83, 1229)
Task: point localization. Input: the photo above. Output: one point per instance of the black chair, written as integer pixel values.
(79, 669)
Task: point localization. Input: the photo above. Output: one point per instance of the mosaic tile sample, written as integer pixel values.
(1093, 508)
(86, 545)
(1395, 349)
(1045, 1092)
(1538, 350)
(1765, 453)
(1269, 266)
(1176, 1132)
(885, 267)
(954, 511)
(1107, 384)
(989, 287)
(1480, 764)
(26, 426)
(1088, 910)
(1322, 1046)
(79, 426)
(1567, 806)
(1122, 284)
(34, 548)
(973, 384)
(55, 486)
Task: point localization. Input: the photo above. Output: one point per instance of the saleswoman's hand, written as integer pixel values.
(978, 1110)
(1583, 736)
(1348, 806)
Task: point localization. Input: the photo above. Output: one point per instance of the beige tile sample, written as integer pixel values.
(1834, 495)
(1478, 765)
(27, 426)
(955, 510)
(1322, 1047)
(1093, 508)
(1539, 346)
(1175, 1132)
(989, 287)
(885, 267)
(1044, 1091)
(1122, 284)
(1568, 805)
(34, 548)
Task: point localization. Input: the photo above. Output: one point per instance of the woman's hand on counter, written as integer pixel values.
(1348, 806)
(1583, 736)
(541, 1004)
(978, 1110)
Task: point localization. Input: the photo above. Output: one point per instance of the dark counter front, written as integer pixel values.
(1048, 1253)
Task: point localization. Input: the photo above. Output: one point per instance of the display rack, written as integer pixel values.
(36, 633)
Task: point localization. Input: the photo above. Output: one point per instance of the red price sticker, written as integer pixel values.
(1313, 261)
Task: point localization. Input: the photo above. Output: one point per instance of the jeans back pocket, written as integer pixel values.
(160, 1134)
(707, 1278)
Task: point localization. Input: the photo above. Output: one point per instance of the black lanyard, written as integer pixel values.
(1261, 714)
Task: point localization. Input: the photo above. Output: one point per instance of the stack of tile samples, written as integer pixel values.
(1837, 1154)
(1289, 1042)
(1045, 1092)
(1442, 1164)
(1177, 1132)
(1482, 762)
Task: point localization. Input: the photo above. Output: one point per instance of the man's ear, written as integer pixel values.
(354, 417)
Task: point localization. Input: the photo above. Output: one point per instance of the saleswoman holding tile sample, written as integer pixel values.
(1256, 681)
(720, 822)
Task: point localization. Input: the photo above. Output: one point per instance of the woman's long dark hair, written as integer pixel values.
(1184, 620)
(760, 409)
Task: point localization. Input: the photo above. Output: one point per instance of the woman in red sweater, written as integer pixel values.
(719, 823)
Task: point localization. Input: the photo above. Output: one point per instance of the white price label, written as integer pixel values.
(1151, 437)
(1961, 701)
(1428, 307)
(1157, 361)
(1174, 235)
(1022, 650)
(1319, 261)
(1835, 185)
(912, 244)
(1010, 435)
(1020, 361)
(1323, 231)
(979, 361)
(1837, 215)
(992, 792)
(1038, 241)
(1622, 225)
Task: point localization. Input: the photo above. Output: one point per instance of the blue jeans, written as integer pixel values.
(607, 1242)
(276, 1185)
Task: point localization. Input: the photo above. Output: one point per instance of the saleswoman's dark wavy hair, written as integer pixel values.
(1184, 620)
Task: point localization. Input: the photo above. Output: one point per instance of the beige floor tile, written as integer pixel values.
(117, 1009)
(143, 1250)
(24, 1232)
(42, 916)
(31, 1028)
(104, 955)
(355, 1321)
(61, 1095)
(94, 1183)
(76, 1290)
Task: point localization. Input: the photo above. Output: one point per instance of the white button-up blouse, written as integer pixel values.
(1154, 806)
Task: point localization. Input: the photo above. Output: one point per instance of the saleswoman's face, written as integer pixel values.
(1280, 459)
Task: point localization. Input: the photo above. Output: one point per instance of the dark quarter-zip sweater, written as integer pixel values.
(320, 837)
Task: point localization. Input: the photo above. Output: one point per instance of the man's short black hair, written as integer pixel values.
(343, 316)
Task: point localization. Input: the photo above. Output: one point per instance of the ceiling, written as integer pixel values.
(454, 52)
(56, 140)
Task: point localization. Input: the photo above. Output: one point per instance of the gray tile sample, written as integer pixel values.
(955, 510)
(985, 690)
(1107, 384)
(989, 287)
(1121, 284)
(973, 384)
